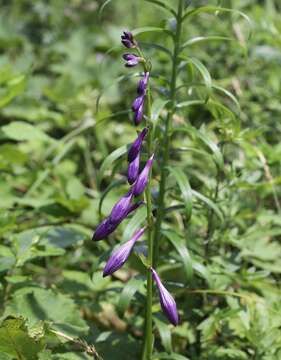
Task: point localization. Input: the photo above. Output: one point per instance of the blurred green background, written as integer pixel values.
(64, 107)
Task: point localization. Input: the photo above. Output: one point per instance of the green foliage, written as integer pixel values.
(65, 129)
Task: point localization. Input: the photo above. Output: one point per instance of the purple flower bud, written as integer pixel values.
(138, 102)
(105, 228)
(133, 170)
(135, 206)
(131, 60)
(167, 302)
(136, 145)
(143, 84)
(120, 209)
(139, 115)
(128, 40)
(142, 179)
(121, 254)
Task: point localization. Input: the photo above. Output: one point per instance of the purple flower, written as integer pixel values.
(128, 40)
(139, 115)
(131, 60)
(120, 209)
(167, 302)
(136, 145)
(120, 255)
(133, 170)
(105, 228)
(143, 84)
(133, 207)
(142, 179)
(138, 102)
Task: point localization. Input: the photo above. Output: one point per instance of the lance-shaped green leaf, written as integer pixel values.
(149, 29)
(165, 334)
(127, 294)
(135, 223)
(110, 159)
(201, 68)
(163, 5)
(185, 188)
(179, 244)
(211, 145)
(209, 203)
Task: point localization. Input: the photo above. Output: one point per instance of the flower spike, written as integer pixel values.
(167, 302)
(121, 254)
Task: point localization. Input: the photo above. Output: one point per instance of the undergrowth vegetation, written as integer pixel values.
(214, 226)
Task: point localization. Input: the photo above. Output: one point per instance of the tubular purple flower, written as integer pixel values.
(121, 254)
(138, 102)
(143, 84)
(120, 209)
(128, 40)
(135, 206)
(131, 60)
(105, 228)
(139, 115)
(133, 170)
(142, 179)
(167, 302)
(136, 145)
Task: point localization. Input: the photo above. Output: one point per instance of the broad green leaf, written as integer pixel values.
(16, 341)
(179, 244)
(165, 334)
(209, 203)
(110, 159)
(7, 258)
(185, 188)
(36, 304)
(127, 294)
(15, 87)
(22, 131)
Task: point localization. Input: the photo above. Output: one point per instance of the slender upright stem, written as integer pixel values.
(148, 321)
(166, 138)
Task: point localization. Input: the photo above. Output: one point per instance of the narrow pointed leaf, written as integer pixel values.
(209, 203)
(179, 244)
(165, 334)
(127, 294)
(110, 159)
(185, 188)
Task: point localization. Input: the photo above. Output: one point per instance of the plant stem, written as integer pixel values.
(147, 349)
(166, 138)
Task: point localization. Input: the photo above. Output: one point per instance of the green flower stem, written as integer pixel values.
(148, 323)
(166, 139)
